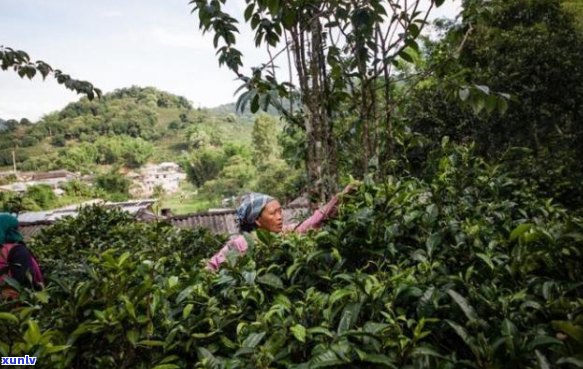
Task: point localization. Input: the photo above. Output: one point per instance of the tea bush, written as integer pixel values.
(465, 269)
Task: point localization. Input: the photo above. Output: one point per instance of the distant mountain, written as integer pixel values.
(130, 116)
(231, 108)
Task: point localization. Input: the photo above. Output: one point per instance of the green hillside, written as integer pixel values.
(145, 120)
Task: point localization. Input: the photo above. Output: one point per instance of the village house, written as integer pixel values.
(166, 176)
(52, 179)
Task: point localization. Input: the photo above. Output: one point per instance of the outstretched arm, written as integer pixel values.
(319, 216)
(327, 211)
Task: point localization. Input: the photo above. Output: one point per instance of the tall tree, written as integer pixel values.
(343, 51)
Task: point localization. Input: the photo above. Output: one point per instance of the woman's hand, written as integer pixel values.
(350, 188)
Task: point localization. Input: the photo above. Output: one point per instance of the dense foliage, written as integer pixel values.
(466, 269)
(531, 50)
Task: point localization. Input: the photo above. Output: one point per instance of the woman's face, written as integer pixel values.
(271, 217)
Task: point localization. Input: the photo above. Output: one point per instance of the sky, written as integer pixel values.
(116, 44)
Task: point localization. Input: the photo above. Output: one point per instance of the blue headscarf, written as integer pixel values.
(251, 206)
(9, 229)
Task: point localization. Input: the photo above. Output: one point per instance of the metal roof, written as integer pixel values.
(134, 207)
(32, 217)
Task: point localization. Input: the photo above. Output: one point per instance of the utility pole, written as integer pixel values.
(14, 161)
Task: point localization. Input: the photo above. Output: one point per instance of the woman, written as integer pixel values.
(261, 211)
(16, 260)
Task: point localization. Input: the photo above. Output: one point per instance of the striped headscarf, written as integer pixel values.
(251, 206)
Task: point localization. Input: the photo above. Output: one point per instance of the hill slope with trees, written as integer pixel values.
(126, 127)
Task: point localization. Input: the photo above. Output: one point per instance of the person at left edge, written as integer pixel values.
(16, 260)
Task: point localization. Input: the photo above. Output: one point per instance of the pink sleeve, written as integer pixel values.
(319, 216)
(236, 243)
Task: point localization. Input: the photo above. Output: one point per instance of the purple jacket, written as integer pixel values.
(239, 243)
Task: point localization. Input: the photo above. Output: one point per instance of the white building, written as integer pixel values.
(164, 175)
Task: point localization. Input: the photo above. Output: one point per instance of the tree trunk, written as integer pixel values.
(321, 159)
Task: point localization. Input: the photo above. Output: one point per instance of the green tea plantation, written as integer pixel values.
(463, 269)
